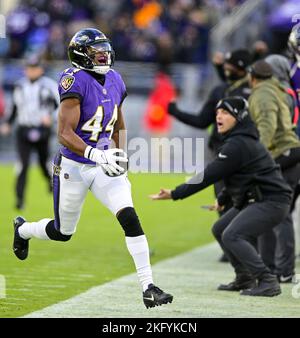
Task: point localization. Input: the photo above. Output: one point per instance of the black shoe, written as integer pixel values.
(20, 245)
(19, 205)
(240, 283)
(154, 296)
(286, 278)
(268, 286)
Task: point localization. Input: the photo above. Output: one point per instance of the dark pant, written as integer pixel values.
(278, 249)
(238, 229)
(24, 148)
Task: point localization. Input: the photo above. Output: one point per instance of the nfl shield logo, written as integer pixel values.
(104, 91)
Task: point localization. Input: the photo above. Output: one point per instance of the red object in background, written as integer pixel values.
(156, 118)
(2, 104)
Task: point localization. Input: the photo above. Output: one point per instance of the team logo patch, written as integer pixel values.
(56, 170)
(67, 82)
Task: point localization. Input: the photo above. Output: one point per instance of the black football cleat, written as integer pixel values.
(20, 245)
(154, 296)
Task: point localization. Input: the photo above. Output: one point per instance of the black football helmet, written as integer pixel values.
(91, 50)
(294, 43)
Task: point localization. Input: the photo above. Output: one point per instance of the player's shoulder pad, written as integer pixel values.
(117, 79)
(115, 74)
(68, 77)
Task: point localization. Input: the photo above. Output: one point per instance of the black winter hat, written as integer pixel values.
(261, 70)
(239, 58)
(237, 106)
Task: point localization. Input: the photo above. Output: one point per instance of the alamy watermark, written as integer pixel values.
(164, 155)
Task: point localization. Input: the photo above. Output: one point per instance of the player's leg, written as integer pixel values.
(115, 194)
(23, 149)
(69, 192)
(243, 278)
(249, 224)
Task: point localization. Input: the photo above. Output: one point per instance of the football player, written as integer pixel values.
(90, 118)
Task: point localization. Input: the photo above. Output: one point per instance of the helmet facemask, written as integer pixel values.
(97, 57)
(101, 56)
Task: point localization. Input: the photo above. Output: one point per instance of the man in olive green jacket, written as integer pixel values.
(271, 114)
(268, 106)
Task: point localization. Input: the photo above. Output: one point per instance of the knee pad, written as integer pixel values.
(130, 222)
(56, 235)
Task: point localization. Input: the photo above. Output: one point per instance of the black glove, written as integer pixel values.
(172, 109)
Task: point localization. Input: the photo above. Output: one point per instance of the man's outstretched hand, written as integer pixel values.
(164, 194)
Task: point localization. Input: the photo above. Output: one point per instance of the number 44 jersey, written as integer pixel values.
(99, 96)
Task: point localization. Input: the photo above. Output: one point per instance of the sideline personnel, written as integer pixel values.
(261, 198)
(268, 107)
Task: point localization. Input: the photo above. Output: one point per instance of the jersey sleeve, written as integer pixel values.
(71, 85)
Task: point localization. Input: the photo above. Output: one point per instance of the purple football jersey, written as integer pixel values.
(98, 105)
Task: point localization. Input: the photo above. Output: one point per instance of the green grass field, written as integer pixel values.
(97, 253)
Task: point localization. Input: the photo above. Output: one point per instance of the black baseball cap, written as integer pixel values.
(261, 70)
(239, 58)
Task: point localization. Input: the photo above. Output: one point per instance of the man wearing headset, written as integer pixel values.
(261, 198)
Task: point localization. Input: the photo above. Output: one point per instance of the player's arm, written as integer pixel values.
(119, 135)
(68, 118)
(202, 119)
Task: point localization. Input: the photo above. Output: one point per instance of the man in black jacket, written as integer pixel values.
(261, 198)
(236, 84)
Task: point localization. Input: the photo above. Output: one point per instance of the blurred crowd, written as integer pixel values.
(140, 30)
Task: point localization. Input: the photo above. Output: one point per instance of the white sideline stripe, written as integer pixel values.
(191, 277)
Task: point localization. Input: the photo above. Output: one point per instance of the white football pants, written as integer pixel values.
(71, 182)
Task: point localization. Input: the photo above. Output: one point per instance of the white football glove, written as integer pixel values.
(107, 159)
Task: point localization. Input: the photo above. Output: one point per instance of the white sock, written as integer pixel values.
(139, 250)
(34, 229)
